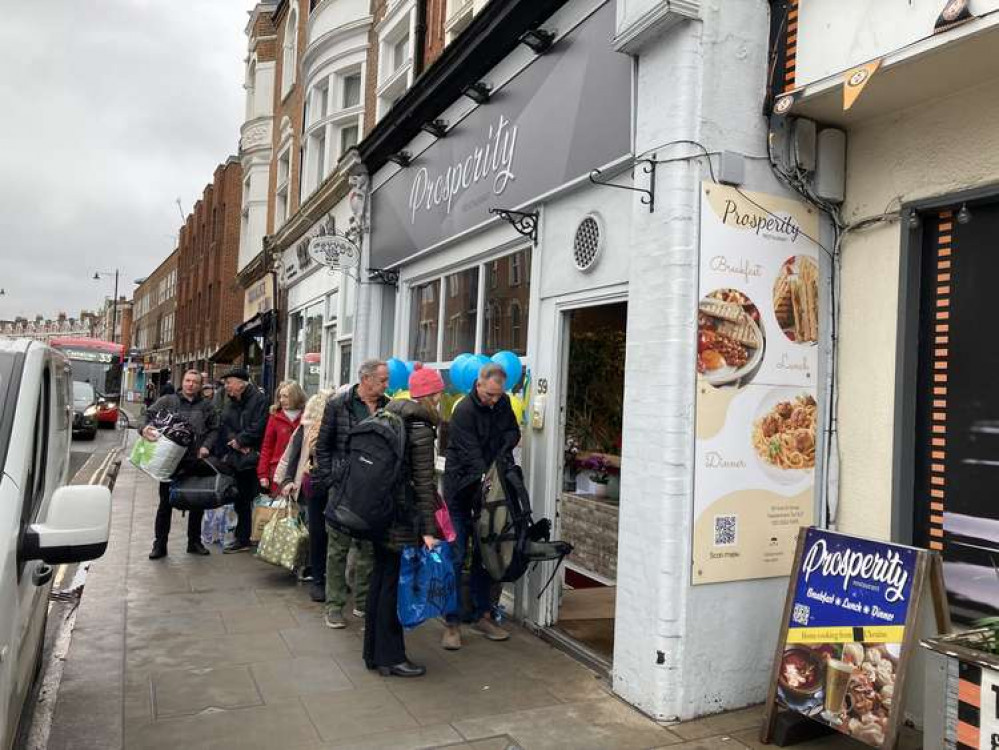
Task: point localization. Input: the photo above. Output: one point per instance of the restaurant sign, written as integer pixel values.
(522, 144)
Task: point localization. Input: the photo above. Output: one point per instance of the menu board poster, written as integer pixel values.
(845, 634)
(758, 334)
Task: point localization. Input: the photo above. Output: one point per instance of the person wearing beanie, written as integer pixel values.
(414, 524)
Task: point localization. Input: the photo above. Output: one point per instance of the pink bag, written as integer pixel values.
(444, 524)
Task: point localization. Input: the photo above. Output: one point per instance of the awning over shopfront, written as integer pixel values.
(258, 325)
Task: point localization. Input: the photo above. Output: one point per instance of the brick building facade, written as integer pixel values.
(154, 325)
(209, 301)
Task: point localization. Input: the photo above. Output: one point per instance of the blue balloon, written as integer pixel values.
(398, 374)
(510, 363)
(471, 370)
(456, 368)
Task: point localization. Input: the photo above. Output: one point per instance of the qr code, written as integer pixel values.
(801, 614)
(725, 530)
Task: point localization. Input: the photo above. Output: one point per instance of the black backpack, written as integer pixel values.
(507, 538)
(362, 501)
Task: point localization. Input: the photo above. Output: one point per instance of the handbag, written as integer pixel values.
(427, 586)
(443, 517)
(196, 491)
(285, 539)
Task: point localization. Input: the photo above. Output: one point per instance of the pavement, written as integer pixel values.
(226, 652)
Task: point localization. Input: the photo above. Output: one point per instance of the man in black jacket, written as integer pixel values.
(244, 418)
(343, 411)
(483, 427)
(198, 413)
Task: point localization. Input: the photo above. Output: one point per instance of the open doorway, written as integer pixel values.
(592, 372)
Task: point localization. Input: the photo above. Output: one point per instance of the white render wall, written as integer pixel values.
(683, 651)
(902, 154)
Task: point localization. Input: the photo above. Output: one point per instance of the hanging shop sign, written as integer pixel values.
(757, 361)
(259, 297)
(334, 251)
(850, 624)
(503, 154)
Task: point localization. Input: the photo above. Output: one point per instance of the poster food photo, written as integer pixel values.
(844, 640)
(758, 334)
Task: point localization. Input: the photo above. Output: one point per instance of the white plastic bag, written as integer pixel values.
(159, 459)
(219, 526)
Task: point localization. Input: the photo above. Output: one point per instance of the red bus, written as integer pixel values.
(100, 364)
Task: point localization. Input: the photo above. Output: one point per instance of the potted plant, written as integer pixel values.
(598, 470)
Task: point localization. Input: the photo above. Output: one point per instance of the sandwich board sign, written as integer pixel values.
(850, 626)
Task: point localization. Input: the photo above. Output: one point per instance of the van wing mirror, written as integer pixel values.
(76, 527)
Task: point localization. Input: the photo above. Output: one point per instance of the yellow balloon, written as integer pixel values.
(517, 404)
(400, 394)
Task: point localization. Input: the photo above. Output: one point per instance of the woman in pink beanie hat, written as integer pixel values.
(384, 644)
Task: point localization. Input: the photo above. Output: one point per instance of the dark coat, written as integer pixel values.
(244, 420)
(197, 412)
(417, 497)
(276, 437)
(477, 435)
(331, 445)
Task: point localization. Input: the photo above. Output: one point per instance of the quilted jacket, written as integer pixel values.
(416, 504)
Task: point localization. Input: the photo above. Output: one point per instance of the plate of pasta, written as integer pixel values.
(783, 434)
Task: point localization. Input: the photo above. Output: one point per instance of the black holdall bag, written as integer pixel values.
(362, 501)
(204, 487)
(506, 536)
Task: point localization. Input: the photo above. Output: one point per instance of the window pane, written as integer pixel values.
(460, 310)
(297, 343)
(345, 363)
(400, 53)
(351, 90)
(350, 300)
(348, 139)
(423, 322)
(313, 342)
(507, 302)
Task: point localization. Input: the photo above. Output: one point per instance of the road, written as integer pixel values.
(83, 449)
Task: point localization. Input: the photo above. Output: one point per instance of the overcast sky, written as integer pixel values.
(112, 109)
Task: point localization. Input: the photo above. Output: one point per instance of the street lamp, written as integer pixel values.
(114, 302)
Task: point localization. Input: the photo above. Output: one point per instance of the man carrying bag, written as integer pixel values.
(199, 414)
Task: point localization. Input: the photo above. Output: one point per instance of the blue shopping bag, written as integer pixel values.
(426, 584)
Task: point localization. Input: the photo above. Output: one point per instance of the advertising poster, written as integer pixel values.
(844, 640)
(757, 366)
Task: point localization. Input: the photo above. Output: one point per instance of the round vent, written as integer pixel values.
(586, 244)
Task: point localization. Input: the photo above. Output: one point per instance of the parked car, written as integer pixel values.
(85, 407)
(43, 522)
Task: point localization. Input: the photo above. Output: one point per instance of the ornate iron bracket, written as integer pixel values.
(524, 224)
(389, 277)
(649, 196)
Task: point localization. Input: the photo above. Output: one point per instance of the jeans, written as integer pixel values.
(316, 504)
(384, 643)
(249, 487)
(164, 515)
(479, 581)
(337, 549)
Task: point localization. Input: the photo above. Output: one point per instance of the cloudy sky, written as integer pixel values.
(113, 109)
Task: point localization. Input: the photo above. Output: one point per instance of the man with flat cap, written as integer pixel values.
(244, 417)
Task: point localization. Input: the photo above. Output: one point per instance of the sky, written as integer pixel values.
(112, 109)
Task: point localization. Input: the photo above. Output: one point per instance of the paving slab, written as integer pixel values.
(191, 691)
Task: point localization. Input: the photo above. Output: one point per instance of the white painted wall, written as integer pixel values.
(904, 155)
(834, 35)
(330, 15)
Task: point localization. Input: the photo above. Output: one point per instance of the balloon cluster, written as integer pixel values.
(464, 371)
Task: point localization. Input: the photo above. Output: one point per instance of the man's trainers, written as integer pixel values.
(334, 619)
(490, 629)
(234, 547)
(317, 592)
(451, 639)
(358, 613)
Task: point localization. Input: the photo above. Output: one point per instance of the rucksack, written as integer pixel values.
(362, 501)
(507, 537)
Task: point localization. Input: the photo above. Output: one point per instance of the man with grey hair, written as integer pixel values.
(343, 411)
(482, 428)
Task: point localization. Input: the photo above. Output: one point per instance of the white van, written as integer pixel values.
(42, 522)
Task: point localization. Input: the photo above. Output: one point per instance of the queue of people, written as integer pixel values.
(297, 448)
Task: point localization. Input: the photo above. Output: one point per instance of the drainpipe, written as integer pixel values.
(420, 38)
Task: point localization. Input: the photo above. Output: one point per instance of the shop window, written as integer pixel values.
(460, 313)
(345, 363)
(508, 304)
(424, 321)
(312, 337)
(296, 345)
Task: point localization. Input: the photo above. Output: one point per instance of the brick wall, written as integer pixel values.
(378, 8)
(436, 16)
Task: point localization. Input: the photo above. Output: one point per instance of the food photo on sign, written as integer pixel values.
(730, 340)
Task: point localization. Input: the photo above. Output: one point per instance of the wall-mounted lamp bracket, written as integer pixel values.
(386, 276)
(649, 195)
(525, 224)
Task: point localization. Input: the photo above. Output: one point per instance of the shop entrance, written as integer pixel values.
(592, 393)
(957, 405)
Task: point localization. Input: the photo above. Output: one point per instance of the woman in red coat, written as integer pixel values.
(286, 413)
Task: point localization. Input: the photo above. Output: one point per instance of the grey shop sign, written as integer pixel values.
(564, 115)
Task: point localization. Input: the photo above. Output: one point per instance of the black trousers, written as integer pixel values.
(164, 514)
(384, 645)
(316, 504)
(248, 486)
